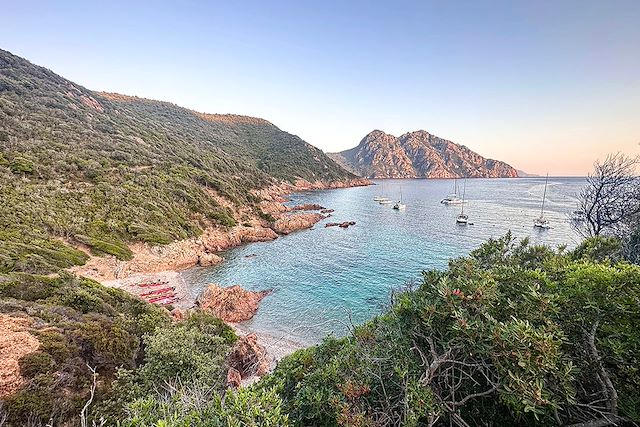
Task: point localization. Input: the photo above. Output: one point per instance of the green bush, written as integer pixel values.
(36, 363)
(507, 329)
(196, 406)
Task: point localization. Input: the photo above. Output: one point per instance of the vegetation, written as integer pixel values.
(611, 203)
(103, 169)
(515, 334)
(80, 324)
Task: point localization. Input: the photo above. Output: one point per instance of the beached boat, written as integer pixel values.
(541, 222)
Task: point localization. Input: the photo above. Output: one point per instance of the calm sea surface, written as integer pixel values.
(326, 278)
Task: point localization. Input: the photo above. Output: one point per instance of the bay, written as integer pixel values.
(327, 279)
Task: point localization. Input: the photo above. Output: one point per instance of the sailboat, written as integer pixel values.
(383, 200)
(541, 221)
(399, 205)
(463, 219)
(453, 199)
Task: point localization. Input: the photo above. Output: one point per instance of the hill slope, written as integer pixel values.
(417, 155)
(104, 169)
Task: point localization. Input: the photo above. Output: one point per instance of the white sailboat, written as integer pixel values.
(541, 222)
(384, 200)
(463, 219)
(399, 205)
(453, 199)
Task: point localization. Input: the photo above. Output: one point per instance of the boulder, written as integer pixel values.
(207, 259)
(232, 304)
(248, 357)
(290, 223)
(234, 379)
(178, 314)
(326, 211)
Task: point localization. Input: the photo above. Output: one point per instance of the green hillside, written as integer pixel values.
(105, 169)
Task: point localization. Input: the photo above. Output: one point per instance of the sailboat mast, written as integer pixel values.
(464, 191)
(544, 195)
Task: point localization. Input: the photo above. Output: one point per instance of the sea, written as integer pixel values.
(326, 280)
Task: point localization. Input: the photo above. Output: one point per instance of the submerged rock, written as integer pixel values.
(232, 304)
(345, 224)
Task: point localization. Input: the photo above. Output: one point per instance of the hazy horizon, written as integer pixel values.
(545, 87)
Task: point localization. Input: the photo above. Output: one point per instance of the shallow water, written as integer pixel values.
(328, 278)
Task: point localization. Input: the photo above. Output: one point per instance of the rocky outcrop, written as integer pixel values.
(207, 259)
(234, 379)
(202, 250)
(308, 207)
(232, 304)
(175, 256)
(345, 224)
(418, 155)
(15, 343)
(247, 358)
(290, 223)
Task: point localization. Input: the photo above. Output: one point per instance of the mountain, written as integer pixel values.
(103, 169)
(418, 154)
(524, 174)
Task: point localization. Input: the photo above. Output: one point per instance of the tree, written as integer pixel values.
(611, 199)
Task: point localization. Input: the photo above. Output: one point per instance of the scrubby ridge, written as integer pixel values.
(101, 170)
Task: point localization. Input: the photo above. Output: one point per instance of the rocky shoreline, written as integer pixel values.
(203, 250)
(164, 263)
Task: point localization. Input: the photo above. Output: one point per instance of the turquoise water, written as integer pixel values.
(328, 278)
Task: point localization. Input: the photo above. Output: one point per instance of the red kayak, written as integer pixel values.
(157, 291)
(161, 297)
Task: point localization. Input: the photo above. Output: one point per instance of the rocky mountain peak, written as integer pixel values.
(418, 154)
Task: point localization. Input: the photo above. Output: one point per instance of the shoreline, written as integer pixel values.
(166, 263)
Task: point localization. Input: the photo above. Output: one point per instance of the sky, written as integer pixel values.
(547, 86)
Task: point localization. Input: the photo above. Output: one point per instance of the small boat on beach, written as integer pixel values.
(152, 284)
(158, 291)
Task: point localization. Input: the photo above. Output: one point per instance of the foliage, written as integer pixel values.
(192, 351)
(103, 170)
(77, 322)
(198, 406)
(516, 334)
(611, 199)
